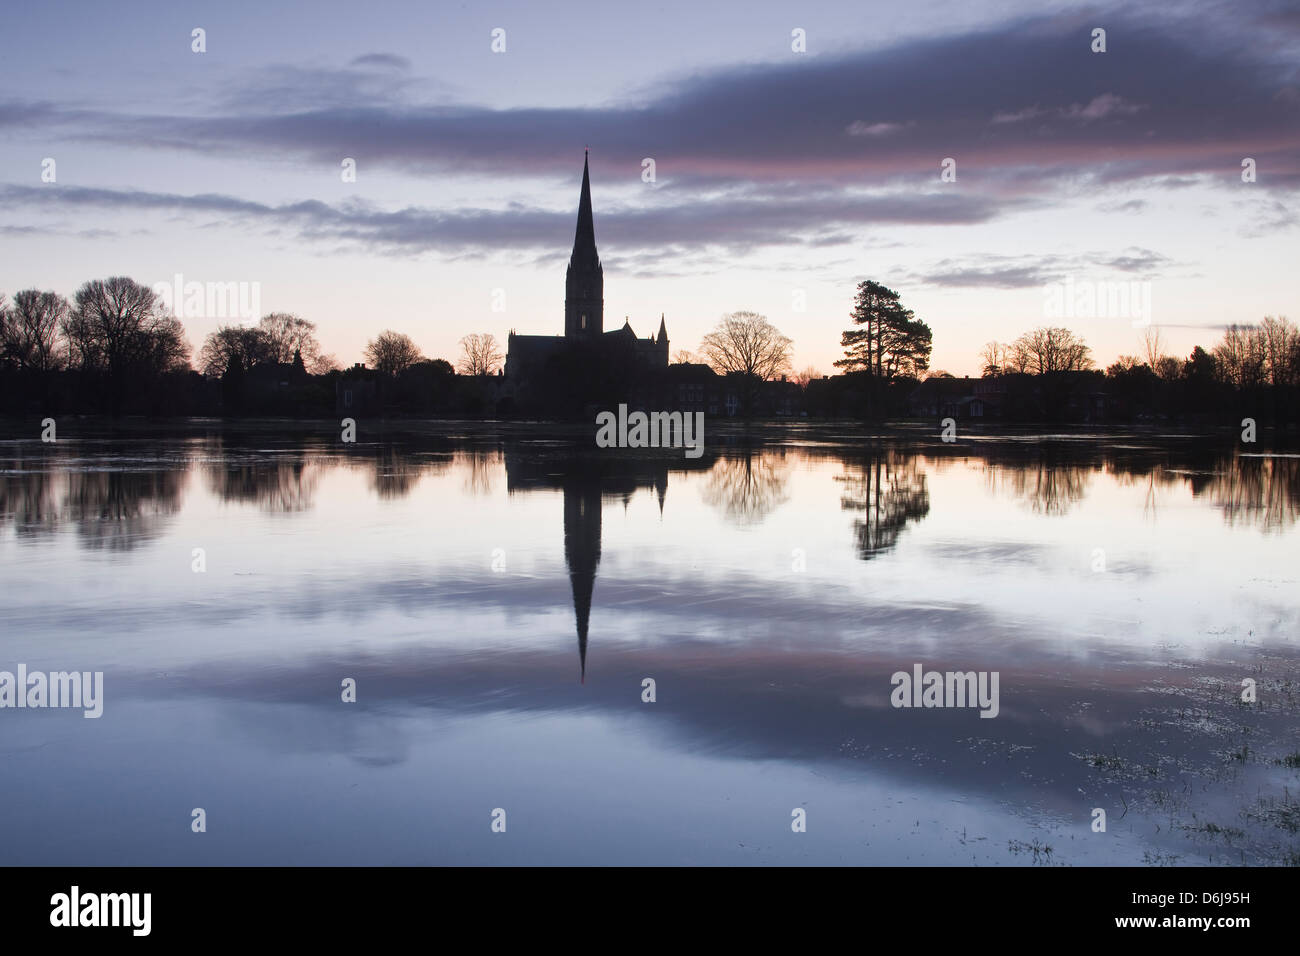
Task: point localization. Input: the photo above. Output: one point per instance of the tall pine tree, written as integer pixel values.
(889, 340)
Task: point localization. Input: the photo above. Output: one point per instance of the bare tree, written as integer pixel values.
(1279, 340)
(994, 359)
(1151, 345)
(745, 342)
(392, 352)
(233, 347)
(809, 374)
(119, 327)
(1239, 358)
(1164, 366)
(1263, 355)
(285, 334)
(1017, 358)
(30, 330)
(321, 364)
(1124, 364)
(480, 355)
(684, 357)
(1046, 350)
(1169, 368)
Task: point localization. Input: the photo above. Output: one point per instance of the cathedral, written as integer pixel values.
(584, 338)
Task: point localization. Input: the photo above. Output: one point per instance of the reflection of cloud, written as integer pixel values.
(749, 487)
(377, 740)
(797, 701)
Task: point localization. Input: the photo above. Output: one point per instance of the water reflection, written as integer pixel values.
(774, 682)
(1258, 490)
(1048, 489)
(123, 501)
(283, 484)
(886, 490)
(748, 486)
(586, 482)
(394, 471)
(121, 510)
(117, 505)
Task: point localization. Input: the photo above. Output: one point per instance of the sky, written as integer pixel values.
(797, 148)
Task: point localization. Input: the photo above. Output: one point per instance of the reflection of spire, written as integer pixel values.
(582, 551)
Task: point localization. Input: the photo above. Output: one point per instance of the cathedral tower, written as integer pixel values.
(584, 284)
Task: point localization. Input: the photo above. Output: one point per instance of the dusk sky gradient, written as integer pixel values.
(777, 171)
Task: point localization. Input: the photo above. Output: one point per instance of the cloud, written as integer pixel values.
(387, 61)
(951, 274)
(1027, 272)
(1168, 100)
(787, 216)
(1128, 205)
(780, 153)
(1100, 107)
(859, 128)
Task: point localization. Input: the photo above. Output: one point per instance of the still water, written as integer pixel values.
(500, 599)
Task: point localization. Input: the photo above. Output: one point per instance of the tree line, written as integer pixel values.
(114, 347)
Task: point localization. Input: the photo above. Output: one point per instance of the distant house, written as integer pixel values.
(356, 392)
(267, 378)
(692, 387)
(991, 392)
(946, 397)
(781, 398)
(1057, 396)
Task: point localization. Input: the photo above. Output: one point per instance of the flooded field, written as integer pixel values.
(498, 602)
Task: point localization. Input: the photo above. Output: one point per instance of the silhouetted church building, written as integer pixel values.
(585, 343)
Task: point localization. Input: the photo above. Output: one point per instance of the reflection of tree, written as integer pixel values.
(1263, 491)
(29, 496)
(888, 488)
(109, 508)
(281, 484)
(479, 466)
(395, 474)
(750, 487)
(1049, 488)
(119, 510)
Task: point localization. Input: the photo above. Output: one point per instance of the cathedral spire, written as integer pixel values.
(584, 239)
(584, 284)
